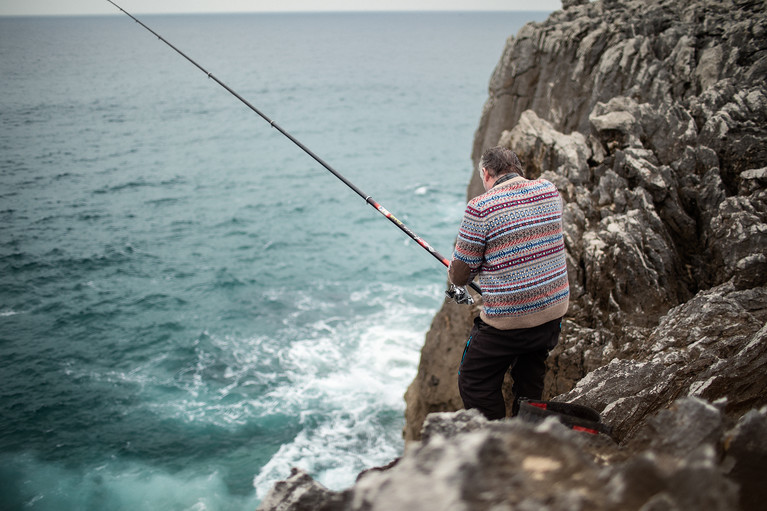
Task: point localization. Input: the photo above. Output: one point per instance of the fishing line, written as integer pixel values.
(455, 293)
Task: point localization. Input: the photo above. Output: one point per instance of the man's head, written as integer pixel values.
(499, 160)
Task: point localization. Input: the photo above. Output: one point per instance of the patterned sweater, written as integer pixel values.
(511, 236)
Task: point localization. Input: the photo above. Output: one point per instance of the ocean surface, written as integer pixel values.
(189, 304)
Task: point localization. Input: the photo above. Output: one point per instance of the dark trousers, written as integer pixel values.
(490, 352)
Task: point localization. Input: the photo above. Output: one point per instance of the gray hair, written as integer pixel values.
(500, 160)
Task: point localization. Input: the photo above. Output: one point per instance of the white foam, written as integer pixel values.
(348, 388)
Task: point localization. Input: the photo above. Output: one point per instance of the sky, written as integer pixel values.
(80, 7)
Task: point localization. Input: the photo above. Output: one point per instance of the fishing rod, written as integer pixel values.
(456, 293)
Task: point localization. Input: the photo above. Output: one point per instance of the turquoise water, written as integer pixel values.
(189, 304)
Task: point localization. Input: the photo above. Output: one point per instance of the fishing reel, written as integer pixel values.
(459, 295)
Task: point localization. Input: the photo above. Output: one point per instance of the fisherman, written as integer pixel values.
(511, 237)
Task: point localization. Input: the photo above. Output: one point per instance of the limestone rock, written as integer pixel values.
(451, 424)
(746, 456)
(650, 117)
(687, 354)
(301, 493)
(566, 4)
(686, 458)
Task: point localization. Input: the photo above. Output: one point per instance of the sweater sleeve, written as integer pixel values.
(469, 248)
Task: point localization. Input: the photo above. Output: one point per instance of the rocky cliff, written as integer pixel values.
(686, 457)
(650, 116)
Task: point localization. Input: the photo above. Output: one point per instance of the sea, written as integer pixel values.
(190, 305)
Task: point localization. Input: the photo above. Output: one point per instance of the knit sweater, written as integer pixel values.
(511, 236)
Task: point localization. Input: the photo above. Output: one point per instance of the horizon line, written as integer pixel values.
(297, 11)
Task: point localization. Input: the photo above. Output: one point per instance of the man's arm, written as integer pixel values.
(469, 249)
(459, 273)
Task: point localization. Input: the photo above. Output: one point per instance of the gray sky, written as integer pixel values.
(72, 7)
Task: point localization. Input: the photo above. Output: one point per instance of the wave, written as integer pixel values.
(346, 383)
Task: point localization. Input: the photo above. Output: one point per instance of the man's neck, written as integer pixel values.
(503, 178)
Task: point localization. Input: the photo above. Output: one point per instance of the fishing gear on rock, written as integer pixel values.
(456, 293)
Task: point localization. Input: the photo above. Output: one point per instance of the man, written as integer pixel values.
(511, 237)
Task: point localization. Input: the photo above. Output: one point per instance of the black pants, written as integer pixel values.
(490, 352)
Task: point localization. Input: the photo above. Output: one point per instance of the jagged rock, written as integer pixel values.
(651, 120)
(737, 236)
(736, 131)
(687, 354)
(626, 253)
(746, 456)
(645, 50)
(754, 181)
(615, 129)
(665, 130)
(566, 4)
(547, 149)
(684, 459)
(451, 424)
(302, 493)
(681, 429)
(510, 466)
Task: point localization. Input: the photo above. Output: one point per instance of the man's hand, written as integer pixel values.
(459, 295)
